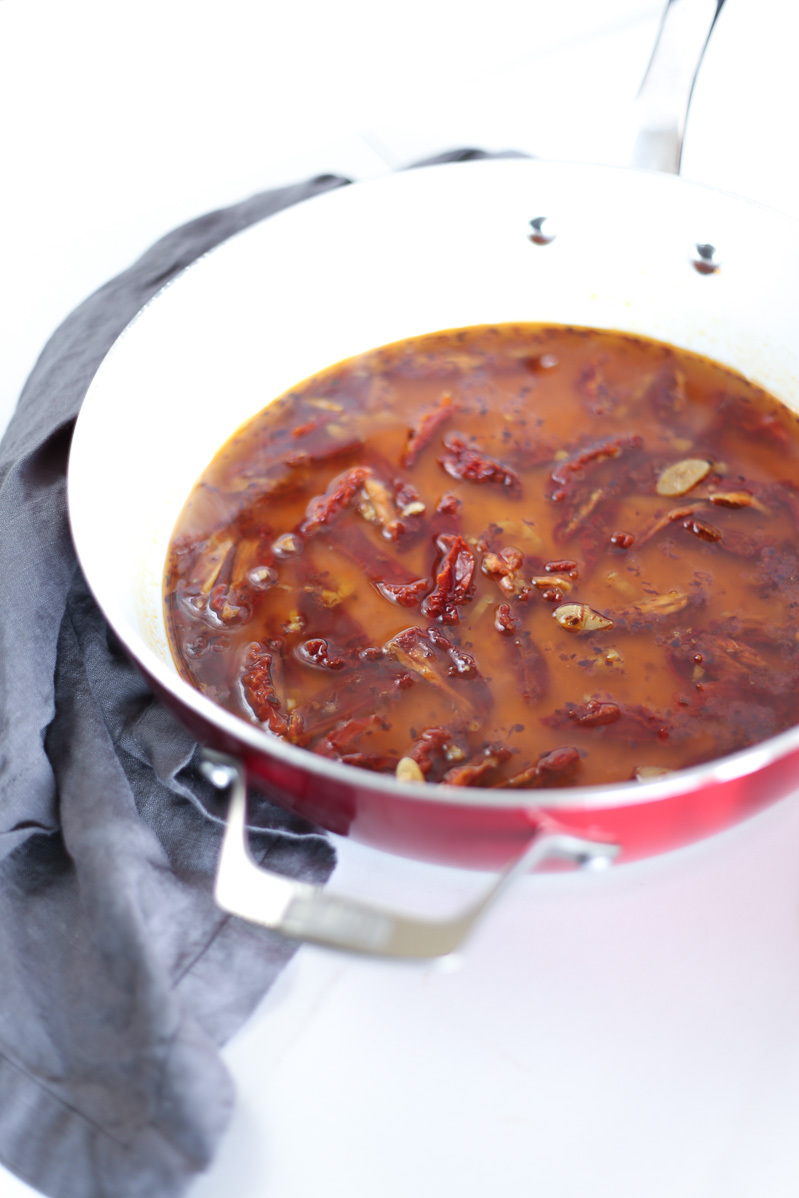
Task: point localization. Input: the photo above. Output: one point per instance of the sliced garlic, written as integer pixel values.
(649, 773)
(287, 545)
(579, 617)
(327, 405)
(545, 581)
(681, 477)
(408, 770)
(295, 623)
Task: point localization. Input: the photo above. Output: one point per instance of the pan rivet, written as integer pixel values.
(705, 258)
(542, 230)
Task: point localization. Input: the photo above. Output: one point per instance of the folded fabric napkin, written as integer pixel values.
(120, 977)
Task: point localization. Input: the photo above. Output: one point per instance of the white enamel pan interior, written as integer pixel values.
(429, 249)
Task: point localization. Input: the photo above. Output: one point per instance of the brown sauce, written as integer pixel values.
(518, 555)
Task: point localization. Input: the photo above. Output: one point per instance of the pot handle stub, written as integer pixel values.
(314, 915)
(664, 99)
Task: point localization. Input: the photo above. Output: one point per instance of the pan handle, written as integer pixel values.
(316, 916)
(664, 98)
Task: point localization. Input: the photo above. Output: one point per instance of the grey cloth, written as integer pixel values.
(120, 978)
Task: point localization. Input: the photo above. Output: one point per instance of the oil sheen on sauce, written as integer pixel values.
(514, 556)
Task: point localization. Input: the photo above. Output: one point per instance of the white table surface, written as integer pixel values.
(634, 1033)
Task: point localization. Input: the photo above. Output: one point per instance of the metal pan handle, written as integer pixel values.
(664, 98)
(314, 915)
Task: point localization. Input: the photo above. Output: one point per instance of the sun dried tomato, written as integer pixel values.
(737, 411)
(482, 764)
(387, 574)
(427, 425)
(368, 688)
(503, 620)
(406, 594)
(343, 738)
(620, 720)
(475, 466)
(435, 748)
(449, 504)
(222, 602)
(259, 690)
(666, 395)
(453, 580)
(504, 567)
(575, 465)
(316, 652)
(593, 714)
(434, 659)
(310, 426)
(555, 768)
(592, 385)
(342, 491)
(530, 666)
(378, 763)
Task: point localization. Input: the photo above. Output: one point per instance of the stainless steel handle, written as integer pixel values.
(317, 916)
(664, 98)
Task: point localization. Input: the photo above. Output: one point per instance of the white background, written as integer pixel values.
(633, 1034)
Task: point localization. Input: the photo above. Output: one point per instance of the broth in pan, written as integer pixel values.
(512, 556)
